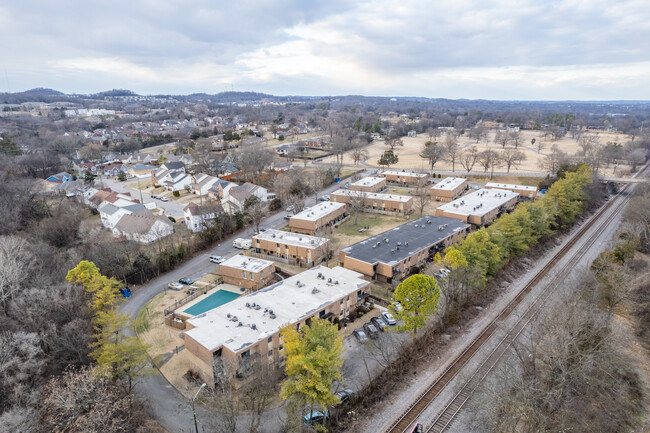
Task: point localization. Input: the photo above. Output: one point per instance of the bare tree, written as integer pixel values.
(512, 158)
(514, 137)
(296, 202)
(501, 138)
(451, 149)
(587, 142)
(202, 157)
(637, 157)
(552, 161)
(539, 144)
(468, 158)
(16, 264)
(422, 198)
(394, 142)
(359, 153)
(433, 133)
(489, 159)
(256, 213)
(357, 203)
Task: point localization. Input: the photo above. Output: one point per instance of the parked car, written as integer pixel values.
(262, 230)
(126, 292)
(154, 196)
(397, 306)
(287, 217)
(325, 198)
(290, 209)
(217, 259)
(175, 286)
(344, 395)
(361, 335)
(371, 331)
(378, 322)
(186, 281)
(388, 318)
(164, 199)
(316, 417)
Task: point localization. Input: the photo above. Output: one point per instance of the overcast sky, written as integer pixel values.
(565, 49)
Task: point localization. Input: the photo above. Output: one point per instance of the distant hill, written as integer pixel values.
(113, 92)
(43, 91)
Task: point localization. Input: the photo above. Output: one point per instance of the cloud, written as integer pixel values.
(562, 49)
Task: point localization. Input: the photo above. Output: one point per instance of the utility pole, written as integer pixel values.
(196, 426)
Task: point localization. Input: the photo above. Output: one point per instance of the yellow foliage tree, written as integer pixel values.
(313, 363)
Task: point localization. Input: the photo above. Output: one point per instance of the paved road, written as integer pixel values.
(165, 403)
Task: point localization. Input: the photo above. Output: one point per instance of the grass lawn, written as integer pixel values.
(377, 223)
(529, 181)
(347, 172)
(381, 291)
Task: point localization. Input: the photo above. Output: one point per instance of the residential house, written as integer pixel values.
(114, 169)
(141, 170)
(201, 183)
(198, 218)
(110, 213)
(236, 196)
(219, 189)
(64, 176)
(143, 227)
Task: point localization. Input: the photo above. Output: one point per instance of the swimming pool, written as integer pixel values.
(215, 300)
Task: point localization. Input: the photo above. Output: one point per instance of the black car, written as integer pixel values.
(344, 395)
(186, 281)
(379, 323)
(370, 330)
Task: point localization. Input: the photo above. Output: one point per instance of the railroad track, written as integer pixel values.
(448, 414)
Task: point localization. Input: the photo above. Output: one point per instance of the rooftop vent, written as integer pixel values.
(314, 290)
(272, 316)
(416, 225)
(248, 304)
(228, 315)
(253, 326)
(258, 306)
(273, 235)
(329, 280)
(240, 324)
(406, 244)
(392, 251)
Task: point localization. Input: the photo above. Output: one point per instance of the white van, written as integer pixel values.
(243, 244)
(217, 259)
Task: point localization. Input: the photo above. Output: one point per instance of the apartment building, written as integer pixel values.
(390, 204)
(249, 273)
(369, 184)
(479, 207)
(394, 254)
(403, 177)
(448, 189)
(316, 219)
(525, 192)
(293, 248)
(244, 334)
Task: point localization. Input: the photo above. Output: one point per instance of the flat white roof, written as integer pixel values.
(373, 195)
(479, 202)
(510, 186)
(449, 183)
(321, 210)
(368, 181)
(404, 173)
(291, 238)
(246, 263)
(290, 301)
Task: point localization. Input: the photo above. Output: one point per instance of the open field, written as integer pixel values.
(409, 155)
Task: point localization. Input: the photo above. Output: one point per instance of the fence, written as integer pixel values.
(174, 321)
(190, 298)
